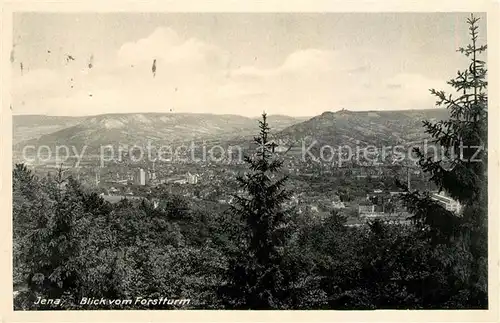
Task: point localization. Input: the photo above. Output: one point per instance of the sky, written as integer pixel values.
(294, 64)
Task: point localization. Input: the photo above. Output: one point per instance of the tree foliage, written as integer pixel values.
(462, 173)
(254, 273)
(70, 243)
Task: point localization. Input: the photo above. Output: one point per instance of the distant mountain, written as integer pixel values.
(330, 128)
(367, 127)
(278, 121)
(26, 127)
(140, 128)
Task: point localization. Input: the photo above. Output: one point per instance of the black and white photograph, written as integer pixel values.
(249, 161)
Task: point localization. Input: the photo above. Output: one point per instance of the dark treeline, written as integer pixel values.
(257, 254)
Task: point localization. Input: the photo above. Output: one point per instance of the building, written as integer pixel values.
(140, 177)
(338, 205)
(280, 149)
(192, 179)
(151, 177)
(153, 172)
(375, 204)
(276, 146)
(379, 199)
(371, 211)
(447, 202)
(363, 209)
(113, 191)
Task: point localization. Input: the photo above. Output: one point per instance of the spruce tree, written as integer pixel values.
(50, 243)
(254, 278)
(462, 172)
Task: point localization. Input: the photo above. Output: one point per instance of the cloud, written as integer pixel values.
(311, 60)
(306, 62)
(165, 45)
(194, 76)
(158, 44)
